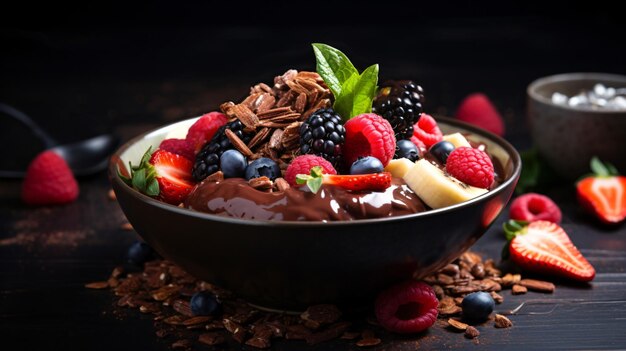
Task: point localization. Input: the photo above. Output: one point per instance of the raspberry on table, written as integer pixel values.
(369, 134)
(427, 130)
(409, 307)
(533, 207)
(471, 166)
(49, 181)
(478, 110)
(303, 164)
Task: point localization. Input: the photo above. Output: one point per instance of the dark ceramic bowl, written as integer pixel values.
(568, 137)
(289, 265)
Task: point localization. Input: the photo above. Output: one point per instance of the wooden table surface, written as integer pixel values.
(127, 82)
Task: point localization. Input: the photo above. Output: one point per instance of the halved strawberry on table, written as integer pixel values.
(162, 174)
(604, 193)
(544, 247)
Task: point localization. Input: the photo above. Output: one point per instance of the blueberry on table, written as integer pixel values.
(262, 167)
(233, 164)
(477, 306)
(406, 149)
(140, 253)
(204, 303)
(366, 165)
(441, 151)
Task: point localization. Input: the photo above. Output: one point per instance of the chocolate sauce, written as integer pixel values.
(235, 198)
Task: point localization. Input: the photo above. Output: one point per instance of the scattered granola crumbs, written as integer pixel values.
(502, 321)
(471, 332)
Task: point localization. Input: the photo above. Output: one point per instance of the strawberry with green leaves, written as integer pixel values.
(544, 247)
(603, 193)
(162, 174)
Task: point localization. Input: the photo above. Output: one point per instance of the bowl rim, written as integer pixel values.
(532, 88)
(515, 157)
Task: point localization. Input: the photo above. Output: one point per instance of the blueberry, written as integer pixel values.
(477, 306)
(406, 149)
(233, 164)
(204, 303)
(441, 151)
(140, 253)
(262, 167)
(366, 165)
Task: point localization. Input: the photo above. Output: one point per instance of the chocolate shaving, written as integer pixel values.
(215, 177)
(261, 183)
(300, 103)
(238, 143)
(281, 184)
(278, 111)
(259, 137)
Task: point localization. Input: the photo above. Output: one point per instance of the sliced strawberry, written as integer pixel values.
(173, 173)
(544, 247)
(373, 182)
(603, 194)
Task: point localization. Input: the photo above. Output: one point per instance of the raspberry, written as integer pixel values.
(471, 166)
(420, 145)
(369, 134)
(427, 130)
(409, 307)
(49, 181)
(180, 147)
(303, 164)
(478, 110)
(533, 207)
(203, 130)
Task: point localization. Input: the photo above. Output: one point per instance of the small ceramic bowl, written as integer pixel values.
(289, 265)
(568, 137)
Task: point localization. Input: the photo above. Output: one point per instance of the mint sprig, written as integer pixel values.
(353, 92)
(313, 180)
(143, 176)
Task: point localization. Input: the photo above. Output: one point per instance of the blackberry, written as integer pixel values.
(208, 159)
(323, 134)
(400, 102)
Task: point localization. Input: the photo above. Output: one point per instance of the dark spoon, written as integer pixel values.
(85, 157)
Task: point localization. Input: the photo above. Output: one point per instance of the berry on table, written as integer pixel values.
(471, 166)
(477, 306)
(233, 164)
(478, 110)
(409, 307)
(262, 167)
(369, 134)
(533, 207)
(406, 149)
(303, 164)
(400, 103)
(323, 134)
(140, 253)
(427, 130)
(366, 165)
(203, 303)
(441, 151)
(49, 181)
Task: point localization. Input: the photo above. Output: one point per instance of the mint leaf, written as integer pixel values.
(598, 167)
(343, 102)
(302, 178)
(334, 67)
(314, 183)
(364, 91)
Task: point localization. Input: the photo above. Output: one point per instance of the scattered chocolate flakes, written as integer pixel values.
(331, 332)
(471, 332)
(368, 342)
(350, 335)
(212, 338)
(281, 184)
(97, 285)
(238, 143)
(183, 307)
(518, 289)
(537, 285)
(215, 177)
(502, 322)
(510, 279)
(497, 297)
(261, 183)
(456, 324)
(182, 344)
(319, 315)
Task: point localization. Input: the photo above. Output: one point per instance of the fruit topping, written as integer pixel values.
(233, 164)
(359, 182)
(203, 303)
(323, 134)
(303, 164)
(477, 306)
(406, 149)
(204, 129)
(400, 102)
(409, 307)
(441, 151)
(477, 109)
(369, 135)
(604, 193)
(49, 181)
(427, 130)
(436, 188)
(457, 139)
(471, 166)
(544, 247)
(399, 167)
(208, 159)
(180, 147)
(262, 167)
(366, 165)
(533, 207)
(140, 253)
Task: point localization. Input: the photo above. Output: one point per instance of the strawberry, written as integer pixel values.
(49, 181)
(358, 182)
(603, 193)
(162, 174)
(544, 247)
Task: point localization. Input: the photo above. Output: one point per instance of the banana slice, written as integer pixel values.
(437, 189)
(457, 139)
(399, 167)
